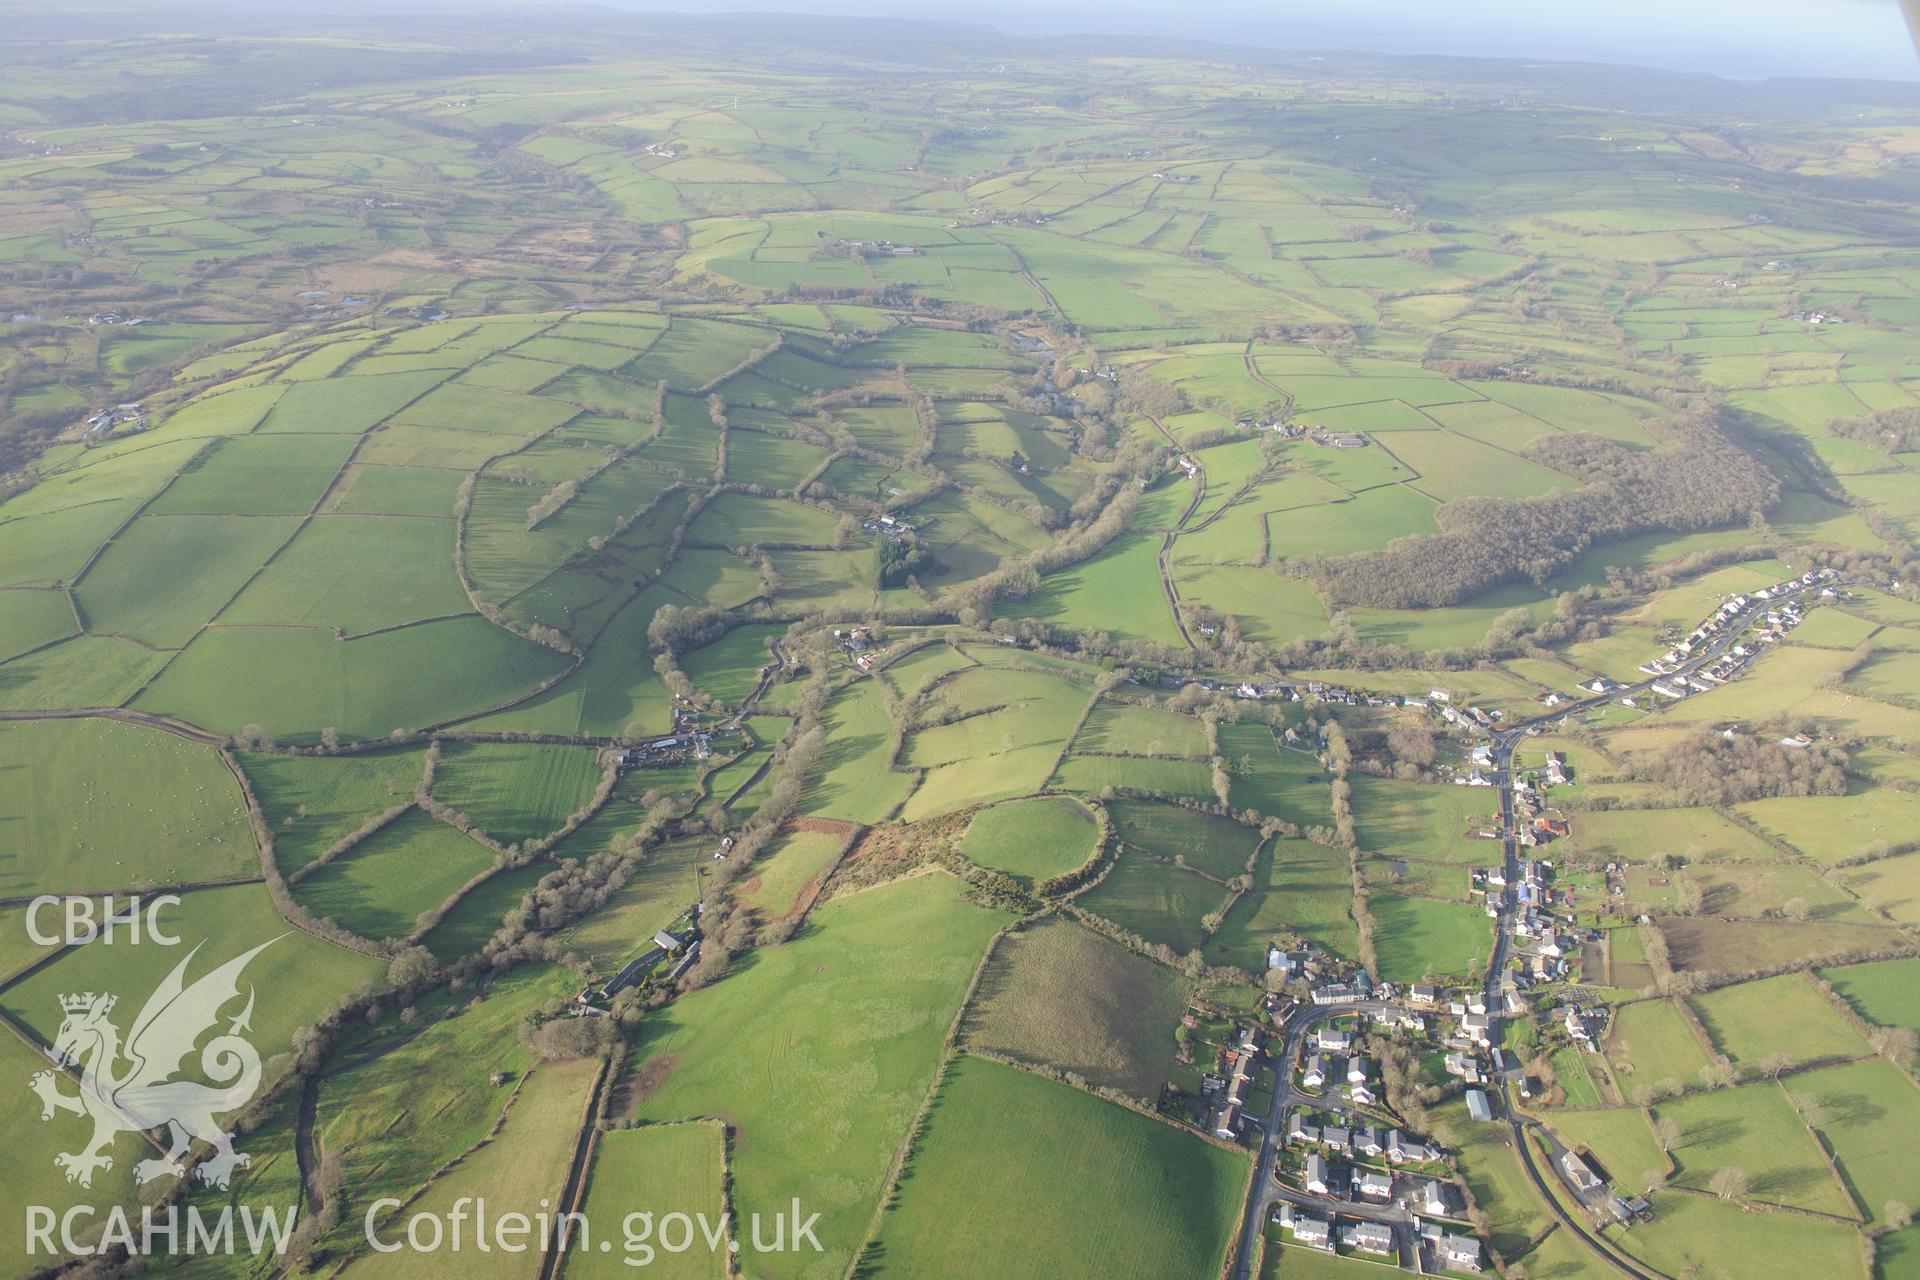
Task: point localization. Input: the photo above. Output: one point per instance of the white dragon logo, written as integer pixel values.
(141, 1097)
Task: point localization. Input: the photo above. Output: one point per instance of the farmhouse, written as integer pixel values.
(1338, 439)
(1580, 1174)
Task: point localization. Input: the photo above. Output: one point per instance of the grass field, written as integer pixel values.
(1620, 1139)
(1652, 1042)
(891, 965)
(1204, 842)
(782, 877)
(1155, 899)
(1719, 1237)
(729, 668)
(357, 573)
(1645, 835)
(513, 794)
(1784, 1015)
(474, 919)
(667, 1168)
(855, 784)
(1273, 780)
(1753, 1127)
(1886, 992)
(522, 1168)
(32, 1177)
(1418, 937)
(1091, 775)
(1018, 1176)
(1828, 828)
(231, 677)
(311, 801)
(1123, 729)
(1032, 839)
(1862, 1109)
(397, 1116)
(116, 806)
(379, 887)
(204, 559)
(1298, 887)
(1062, 996)
(1415, 820)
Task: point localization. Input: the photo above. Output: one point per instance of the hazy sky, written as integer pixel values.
(1744, 39)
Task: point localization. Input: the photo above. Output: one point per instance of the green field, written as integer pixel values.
(1121, 729)
(892, 963)
(790, 871)
(668, 1168)
(524, 1166)
(1621, 1140)
(1783, 1015)
(1652, 1042)
(1299, 888)
(378, 888)
(368, 687)
(1887, 992)
(1032, 839)
(116, 806)
(1064, 997)
(1156, 900)
(1690, 1230)
(311, 801)
(1204, 842)
(306, 974)
(515, 795)
(1273, 780)
(417, 1102)
(1753, 1127)
(1411, 820)
(1862, 1109)
(1417, 937)
(1055, 1183)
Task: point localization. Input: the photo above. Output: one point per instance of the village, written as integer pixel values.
(1746, 625)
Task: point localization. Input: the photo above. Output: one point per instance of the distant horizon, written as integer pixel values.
(1731, 39)
(1738, 41)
